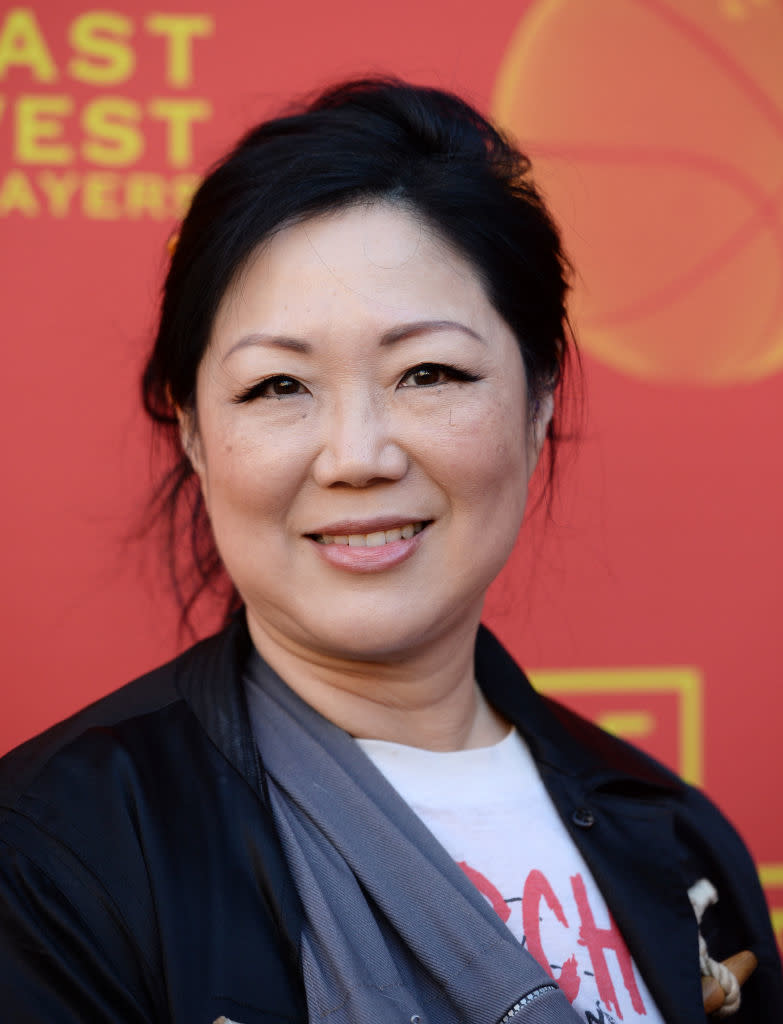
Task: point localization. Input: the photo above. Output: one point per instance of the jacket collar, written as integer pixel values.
(209, 678)
(559, 738)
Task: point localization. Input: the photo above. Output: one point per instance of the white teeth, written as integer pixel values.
(372, 540)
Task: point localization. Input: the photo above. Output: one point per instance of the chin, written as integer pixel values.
(358, 641)
(388, 634)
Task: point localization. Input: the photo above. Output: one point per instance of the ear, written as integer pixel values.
(190, 439)
(543, 411)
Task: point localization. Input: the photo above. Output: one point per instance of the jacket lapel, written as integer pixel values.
(630, 849)
(618, 806)
(210, 681)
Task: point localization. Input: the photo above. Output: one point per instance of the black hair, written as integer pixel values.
(365, 140)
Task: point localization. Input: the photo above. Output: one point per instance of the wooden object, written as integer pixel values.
(741, 965)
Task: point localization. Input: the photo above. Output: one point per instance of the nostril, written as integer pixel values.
(360, 465)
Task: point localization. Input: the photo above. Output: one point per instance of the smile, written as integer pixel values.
(381, 546)
(377, 539)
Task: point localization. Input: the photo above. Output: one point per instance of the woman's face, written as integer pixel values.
(361, 436)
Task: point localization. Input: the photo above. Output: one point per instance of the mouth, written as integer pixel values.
(373, 539)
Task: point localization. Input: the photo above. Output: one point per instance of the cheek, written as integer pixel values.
(482, 450)
(246, 475)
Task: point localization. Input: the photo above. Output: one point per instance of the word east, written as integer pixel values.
(101, 46)
(96, 195)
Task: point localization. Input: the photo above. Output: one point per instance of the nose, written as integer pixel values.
(358, 447)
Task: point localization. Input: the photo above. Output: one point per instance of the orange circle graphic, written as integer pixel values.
(656, 131)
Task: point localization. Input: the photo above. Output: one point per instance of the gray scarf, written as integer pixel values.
(394, 932)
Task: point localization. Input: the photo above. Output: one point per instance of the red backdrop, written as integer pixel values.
(653, 601)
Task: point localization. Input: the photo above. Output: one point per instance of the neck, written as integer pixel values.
(427, 698)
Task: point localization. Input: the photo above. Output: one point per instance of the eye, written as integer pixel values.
(428, 374)
(278, 386)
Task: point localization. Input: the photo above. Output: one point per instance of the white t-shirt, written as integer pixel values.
(490, 810)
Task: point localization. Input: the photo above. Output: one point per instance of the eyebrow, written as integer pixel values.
(268, 341)
(406, 331)
(390, 337)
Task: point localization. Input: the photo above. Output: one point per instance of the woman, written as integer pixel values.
(350, 804)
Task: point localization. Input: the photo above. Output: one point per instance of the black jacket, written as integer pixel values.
(141, 878)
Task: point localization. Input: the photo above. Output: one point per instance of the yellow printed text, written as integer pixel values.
(97, 195)
(107, 131)
(101, 45)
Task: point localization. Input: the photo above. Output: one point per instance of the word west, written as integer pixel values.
(53, 131)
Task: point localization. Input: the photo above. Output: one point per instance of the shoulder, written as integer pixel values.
(147, 704)
(87, 802)
(20, 768)
(619, 767)
(623, 771)
(689, 834)
(141, 747)
(111, 825)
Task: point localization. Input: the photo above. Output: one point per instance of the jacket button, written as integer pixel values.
(583, 817)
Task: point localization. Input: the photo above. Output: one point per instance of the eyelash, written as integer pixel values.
(257, 390)
(448, 373)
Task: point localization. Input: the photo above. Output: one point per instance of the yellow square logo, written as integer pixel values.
(658, 709)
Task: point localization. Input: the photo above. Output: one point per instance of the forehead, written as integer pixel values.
(379, 260)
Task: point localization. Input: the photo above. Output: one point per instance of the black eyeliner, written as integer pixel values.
(454, 372)
(249, 393)
(254, 391)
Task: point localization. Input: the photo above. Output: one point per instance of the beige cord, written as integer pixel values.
(703, 894)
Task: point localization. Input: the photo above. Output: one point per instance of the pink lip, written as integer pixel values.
(368, 560)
